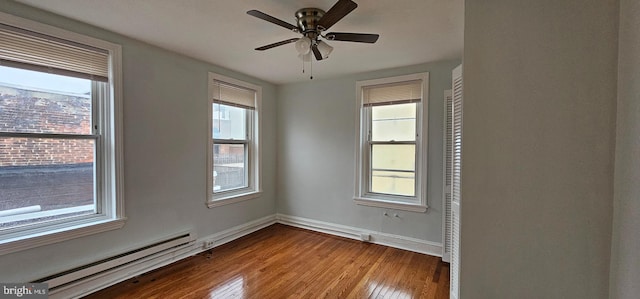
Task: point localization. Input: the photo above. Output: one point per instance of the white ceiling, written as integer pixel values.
(220, 32)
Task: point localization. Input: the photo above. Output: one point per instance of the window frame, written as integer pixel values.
(253, 173)
(363, 149)
(108, 157)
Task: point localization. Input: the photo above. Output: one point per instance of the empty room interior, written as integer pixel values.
(320, 149)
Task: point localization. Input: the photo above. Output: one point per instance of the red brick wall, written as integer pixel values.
(28, 111)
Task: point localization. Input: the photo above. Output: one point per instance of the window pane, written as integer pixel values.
(229, 167)
(229, 122)
(35, 102)
(44, 179)
(393, 169)
(393, 182)
(393, 122)
(393, 157)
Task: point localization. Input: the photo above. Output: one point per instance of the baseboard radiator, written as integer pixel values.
(173, 246)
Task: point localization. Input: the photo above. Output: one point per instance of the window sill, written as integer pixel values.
(221, 201)
(58, 235)
(390, 204)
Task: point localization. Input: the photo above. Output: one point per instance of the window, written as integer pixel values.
(391, 155)
(60, 148)
(234, 152)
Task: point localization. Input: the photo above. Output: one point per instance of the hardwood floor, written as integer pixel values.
(286, 262)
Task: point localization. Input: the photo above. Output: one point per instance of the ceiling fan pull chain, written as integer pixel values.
(311, 67)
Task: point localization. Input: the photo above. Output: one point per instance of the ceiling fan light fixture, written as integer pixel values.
(324, 49)
(303, 45)
(305, 57)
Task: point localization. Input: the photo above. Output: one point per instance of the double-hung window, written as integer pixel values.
(391, 148)
(60, 171)
(234, 151)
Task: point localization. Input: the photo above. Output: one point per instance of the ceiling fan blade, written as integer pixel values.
(268, 18)
(336, 12)
(316, 52)
(353, 37)
(284, 42)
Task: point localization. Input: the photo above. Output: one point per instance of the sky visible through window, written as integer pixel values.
(43, 81)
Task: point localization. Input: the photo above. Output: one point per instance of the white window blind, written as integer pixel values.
(26, 49)
(227, 94)
(393, 93)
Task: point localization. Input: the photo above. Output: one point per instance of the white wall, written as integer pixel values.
(539, 125)
(316, 142)
(165, 135)
(625, 250)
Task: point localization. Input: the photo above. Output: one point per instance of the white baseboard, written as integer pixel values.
(236, 232)
(396, 241)
(99, 281)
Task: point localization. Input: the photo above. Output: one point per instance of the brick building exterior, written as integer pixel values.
(28, 111)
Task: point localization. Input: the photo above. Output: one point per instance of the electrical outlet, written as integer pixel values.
(208, 244)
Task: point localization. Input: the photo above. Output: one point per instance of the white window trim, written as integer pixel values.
(112, 178)
(361, 196)
(255, 163)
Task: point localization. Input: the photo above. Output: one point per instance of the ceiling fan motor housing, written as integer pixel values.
(308, 21)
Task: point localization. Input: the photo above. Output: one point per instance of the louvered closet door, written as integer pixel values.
(456, 199)
(448, 153)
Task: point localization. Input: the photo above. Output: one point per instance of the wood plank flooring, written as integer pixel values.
(286, 262)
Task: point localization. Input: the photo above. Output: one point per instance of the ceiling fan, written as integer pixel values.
(311, 22)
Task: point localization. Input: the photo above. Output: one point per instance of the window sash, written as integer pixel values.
(247, 164)
(247, 167)
(248, 133)
(231, 141)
